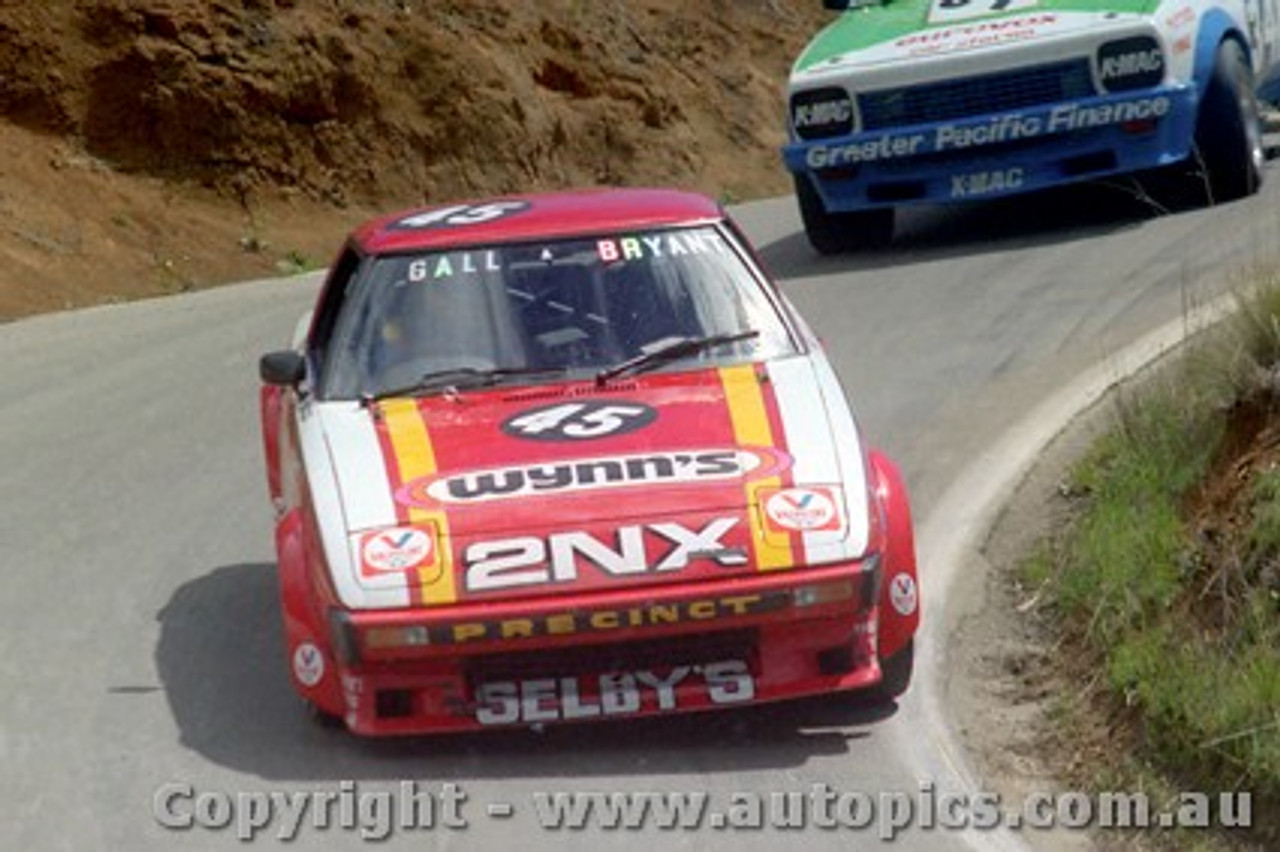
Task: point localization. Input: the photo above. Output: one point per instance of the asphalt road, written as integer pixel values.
(141, 638)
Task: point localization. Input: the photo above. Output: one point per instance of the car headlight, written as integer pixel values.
(397, 637)
(1130, 63)
(822, 113)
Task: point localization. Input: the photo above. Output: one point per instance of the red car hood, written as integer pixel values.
(524, 492)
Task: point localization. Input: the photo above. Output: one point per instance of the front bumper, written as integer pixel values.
(1001, 153)
(766, 639)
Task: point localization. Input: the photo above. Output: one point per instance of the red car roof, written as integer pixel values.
(518, 218)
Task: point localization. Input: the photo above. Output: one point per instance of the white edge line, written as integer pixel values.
(963, 518)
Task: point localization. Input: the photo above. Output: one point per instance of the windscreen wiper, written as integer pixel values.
(672, 351)
(461, 378)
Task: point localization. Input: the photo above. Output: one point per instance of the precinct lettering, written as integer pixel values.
(578, 622)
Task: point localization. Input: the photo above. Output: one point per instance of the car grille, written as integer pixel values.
(974, 96)
(661, 653)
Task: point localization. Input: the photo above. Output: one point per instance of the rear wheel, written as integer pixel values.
(896, 672)
(837, 233)
(1228, 135)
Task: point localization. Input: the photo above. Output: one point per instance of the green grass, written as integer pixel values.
(1265, 533)
(1258, 322)
(1125, 556)
(1185, 627)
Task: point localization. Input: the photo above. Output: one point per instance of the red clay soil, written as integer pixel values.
(148, 147)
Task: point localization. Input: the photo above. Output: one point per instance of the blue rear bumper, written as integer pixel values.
(1002, 153)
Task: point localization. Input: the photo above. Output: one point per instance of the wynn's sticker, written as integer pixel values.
(689, 467)
(803, 510)
(396, 551)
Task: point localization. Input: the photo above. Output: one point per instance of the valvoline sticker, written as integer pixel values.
(396, 551)
(803, 509)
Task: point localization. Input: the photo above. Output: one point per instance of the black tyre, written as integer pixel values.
(323, 718)
(1228, 129)
(837, 233)
(897, 671)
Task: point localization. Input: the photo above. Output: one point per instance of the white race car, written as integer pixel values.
(906, 101)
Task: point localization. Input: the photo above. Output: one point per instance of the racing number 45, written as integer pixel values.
(577, 421)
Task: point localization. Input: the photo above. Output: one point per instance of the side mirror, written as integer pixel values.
(283, 369)
(835, 5)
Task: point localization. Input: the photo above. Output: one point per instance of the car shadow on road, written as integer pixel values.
(928, 233)
(222, 666)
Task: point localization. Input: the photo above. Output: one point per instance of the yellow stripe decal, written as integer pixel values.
(751, 429)
(415, 459)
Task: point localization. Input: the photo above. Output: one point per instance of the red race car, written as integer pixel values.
(572, 457)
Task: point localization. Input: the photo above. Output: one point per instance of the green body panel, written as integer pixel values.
(857, 29)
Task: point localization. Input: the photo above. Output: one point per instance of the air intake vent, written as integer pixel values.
(571, 393)
(951, 100)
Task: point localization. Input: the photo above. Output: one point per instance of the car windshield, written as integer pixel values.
(535, 311)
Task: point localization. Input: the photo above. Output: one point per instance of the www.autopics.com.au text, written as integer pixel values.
(410, 806)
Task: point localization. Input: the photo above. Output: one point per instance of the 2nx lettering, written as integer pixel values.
(529, 560)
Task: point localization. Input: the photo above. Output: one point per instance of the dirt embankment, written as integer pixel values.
(155, 146)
